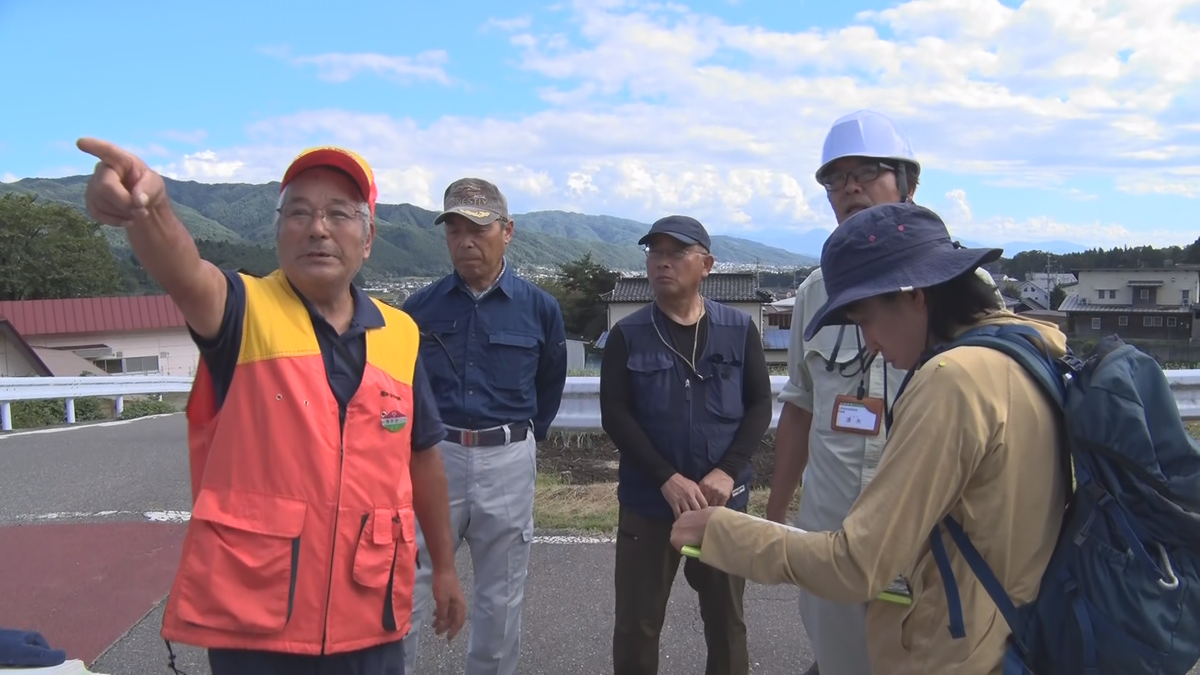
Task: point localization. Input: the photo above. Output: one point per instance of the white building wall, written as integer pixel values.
(1117, 291)
(12, 360)
(177, 354)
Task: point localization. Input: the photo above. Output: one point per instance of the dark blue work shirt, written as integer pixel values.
(501, 359)
(344, 365)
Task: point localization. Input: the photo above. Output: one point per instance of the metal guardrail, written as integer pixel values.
(68, 389)
(580, 409)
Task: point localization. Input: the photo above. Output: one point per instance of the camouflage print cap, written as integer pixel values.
(475, 199)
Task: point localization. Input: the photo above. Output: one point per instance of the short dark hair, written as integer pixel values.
(958, 303)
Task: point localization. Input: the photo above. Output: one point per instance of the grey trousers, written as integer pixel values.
(491, 509)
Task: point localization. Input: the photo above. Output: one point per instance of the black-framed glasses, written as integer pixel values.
(863, 173)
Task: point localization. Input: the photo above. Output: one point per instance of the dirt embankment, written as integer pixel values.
(585, 458)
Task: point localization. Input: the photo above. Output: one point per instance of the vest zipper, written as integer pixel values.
(333, 548)
(687, 390)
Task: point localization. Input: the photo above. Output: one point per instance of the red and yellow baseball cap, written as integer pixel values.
(338, 158)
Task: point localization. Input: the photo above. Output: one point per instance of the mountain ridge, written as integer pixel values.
(407, 241)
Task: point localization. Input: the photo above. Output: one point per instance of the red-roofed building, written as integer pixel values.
(132, 335)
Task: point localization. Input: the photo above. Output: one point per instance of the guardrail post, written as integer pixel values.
(70, 411)
(5, 416)
(118, 405)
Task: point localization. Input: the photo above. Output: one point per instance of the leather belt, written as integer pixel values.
(471, 438)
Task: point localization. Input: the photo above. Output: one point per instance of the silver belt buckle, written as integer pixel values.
(470, 438)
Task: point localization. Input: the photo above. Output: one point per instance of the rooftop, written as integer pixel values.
(71, 316)
(1177, 268)
(1074, 303)
(719, 287)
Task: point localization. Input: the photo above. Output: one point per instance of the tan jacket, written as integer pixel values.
(974, 437)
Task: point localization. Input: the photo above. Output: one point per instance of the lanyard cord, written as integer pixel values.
(695, 338)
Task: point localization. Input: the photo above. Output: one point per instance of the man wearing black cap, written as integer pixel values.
(497, 362)
(686, 398)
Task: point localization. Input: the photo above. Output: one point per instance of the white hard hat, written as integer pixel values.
(866, 133)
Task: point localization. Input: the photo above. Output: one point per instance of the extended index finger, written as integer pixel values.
(120, 160)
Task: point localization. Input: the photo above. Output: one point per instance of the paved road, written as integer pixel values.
(90, 527)
(92, 516)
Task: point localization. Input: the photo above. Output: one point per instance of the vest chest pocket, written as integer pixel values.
(513, 360)
(650, 376)
(723, 395)
(241, 561)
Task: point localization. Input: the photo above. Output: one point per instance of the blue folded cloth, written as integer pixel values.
(27, 649)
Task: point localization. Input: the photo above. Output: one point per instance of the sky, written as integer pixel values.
(1036, 121)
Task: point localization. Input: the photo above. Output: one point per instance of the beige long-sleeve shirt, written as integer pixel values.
(973, 437)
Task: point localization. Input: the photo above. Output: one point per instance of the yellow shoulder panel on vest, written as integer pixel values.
(276, 323)
(393, 348)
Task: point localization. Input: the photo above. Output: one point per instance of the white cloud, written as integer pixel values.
(202, 166)
(9, 178)
(650, 107)
(337, 67)
(997, 230)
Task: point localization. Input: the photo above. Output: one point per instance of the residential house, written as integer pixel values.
(778, 314)
(736, 289)
(113, 335)
(1034, 292)
(1139, 303)
(1020, 306)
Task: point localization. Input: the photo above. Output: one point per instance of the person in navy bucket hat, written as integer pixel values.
(969, 435)
(885, 249)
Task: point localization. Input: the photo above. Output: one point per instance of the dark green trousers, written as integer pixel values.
(645, 570)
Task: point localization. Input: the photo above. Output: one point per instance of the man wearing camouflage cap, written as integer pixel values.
(496, 354)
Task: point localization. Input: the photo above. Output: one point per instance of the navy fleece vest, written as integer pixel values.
(691, 421)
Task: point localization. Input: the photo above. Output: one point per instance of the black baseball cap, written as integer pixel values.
(681, 228)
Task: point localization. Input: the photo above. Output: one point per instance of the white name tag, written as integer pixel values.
(857, 416)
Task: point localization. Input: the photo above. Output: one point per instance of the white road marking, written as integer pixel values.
(78, 427)
(185, 516)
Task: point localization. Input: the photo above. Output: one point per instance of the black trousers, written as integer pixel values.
(645, 569)
(386, 659)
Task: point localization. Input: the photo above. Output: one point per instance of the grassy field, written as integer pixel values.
(592, 508)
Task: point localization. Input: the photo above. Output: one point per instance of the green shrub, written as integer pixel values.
(50, 412)
(143, 407)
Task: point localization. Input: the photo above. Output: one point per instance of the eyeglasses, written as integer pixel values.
(671, 254)
(303, 216)
(864, 173)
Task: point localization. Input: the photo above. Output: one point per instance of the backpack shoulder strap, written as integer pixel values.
(1025, 346)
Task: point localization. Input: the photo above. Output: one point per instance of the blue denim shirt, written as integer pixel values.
(498, 359)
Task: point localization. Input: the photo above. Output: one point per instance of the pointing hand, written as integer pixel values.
(122, 188)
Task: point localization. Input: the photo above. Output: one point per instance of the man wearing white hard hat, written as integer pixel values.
(866, 160)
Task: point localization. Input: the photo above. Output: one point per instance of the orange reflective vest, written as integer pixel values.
(302, 534)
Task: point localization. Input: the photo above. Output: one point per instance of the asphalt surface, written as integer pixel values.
(90, 530)
(76, 495)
